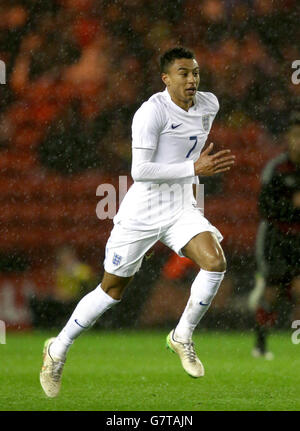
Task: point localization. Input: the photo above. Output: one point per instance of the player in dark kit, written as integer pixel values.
(278, 239)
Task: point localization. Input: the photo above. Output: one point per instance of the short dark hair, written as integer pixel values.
(173, 54)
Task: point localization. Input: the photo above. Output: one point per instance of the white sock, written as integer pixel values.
(87, 311)
(203, 290)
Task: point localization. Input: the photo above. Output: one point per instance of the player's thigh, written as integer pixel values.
(125, 250)
(205, 250)
(193, 236)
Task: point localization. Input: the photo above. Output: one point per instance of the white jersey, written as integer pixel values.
(166, 141)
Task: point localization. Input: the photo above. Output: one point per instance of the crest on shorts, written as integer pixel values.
(205, 122)
(116, 259)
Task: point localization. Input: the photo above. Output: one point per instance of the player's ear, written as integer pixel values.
(165, 78)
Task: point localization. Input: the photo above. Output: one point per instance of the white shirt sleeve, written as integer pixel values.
(143, 169)
(147, 125)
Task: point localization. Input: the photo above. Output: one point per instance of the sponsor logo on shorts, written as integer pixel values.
(116, 259)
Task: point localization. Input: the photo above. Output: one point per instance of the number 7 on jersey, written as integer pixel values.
(192, 138)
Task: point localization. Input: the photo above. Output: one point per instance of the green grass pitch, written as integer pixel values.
(133, 371)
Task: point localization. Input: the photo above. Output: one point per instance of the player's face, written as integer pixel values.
(182, 80)
(293, 140)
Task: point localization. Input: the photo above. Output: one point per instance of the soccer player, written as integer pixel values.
(168, 133)
(278, 240)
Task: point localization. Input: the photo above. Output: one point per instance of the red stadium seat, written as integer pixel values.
(27, 138)
(239, 237)
(231, 209)
(244, 184)
(11, 161)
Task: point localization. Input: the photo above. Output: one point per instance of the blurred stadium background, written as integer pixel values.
(76, 72)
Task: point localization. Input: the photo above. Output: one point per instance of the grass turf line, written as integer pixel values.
(133, 371)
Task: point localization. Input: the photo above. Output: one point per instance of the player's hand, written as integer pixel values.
(208, 164)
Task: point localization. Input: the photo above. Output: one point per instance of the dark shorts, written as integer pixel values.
(277, 255)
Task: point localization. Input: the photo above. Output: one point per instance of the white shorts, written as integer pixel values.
(125, 248)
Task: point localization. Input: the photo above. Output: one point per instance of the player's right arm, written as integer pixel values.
(148, 122)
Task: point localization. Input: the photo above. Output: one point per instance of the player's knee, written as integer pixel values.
(115, 291)
(115, 286)
(215, 263)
